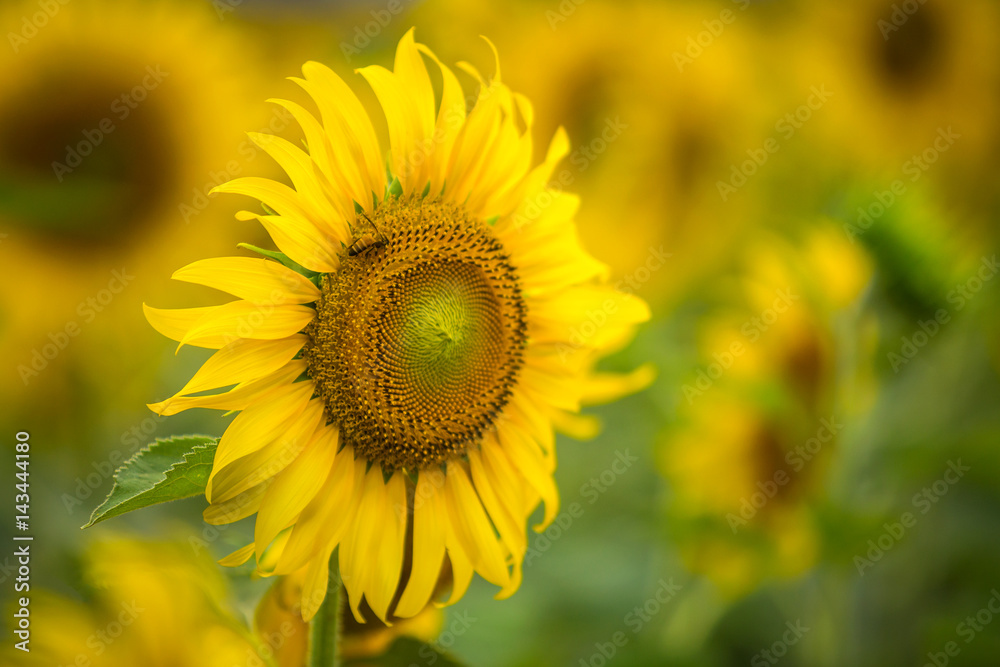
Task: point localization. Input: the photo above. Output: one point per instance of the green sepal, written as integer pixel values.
(268, 209)
(163, 471)
(284, 259)
(492, 220)
(427, 190)
(395, 188)
(358, 208)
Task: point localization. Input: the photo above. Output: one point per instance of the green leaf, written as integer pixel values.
(166, 470)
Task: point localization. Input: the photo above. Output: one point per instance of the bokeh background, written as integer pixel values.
(807, 194)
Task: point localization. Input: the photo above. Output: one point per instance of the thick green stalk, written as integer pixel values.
(324, 629)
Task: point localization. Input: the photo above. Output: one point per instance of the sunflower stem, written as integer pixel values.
(324, 629)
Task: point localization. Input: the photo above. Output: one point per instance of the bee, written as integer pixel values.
(365, 242)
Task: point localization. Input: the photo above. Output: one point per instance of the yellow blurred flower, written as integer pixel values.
(760, 420)
(655, 122)
(900, 72)
(116, 119)
(145, 603)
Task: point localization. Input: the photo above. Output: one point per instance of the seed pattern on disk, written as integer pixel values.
(418, 338)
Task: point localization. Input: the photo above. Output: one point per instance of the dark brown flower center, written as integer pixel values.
(417, 340)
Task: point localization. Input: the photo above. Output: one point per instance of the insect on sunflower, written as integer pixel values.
(398, 396)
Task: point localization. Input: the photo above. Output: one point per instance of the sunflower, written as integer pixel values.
(652, 133)
(758, 427)
(400, 369)
(116, 119)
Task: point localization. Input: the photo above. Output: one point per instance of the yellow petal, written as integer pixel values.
(300, 239)
(472, 527)
(461, 567)
(451, 117)
(242, 319)
(244, 360)
(261, 423)
(361, 544)
(328, 517)
(315, 585)
(389, 556)
(341, 186)
(268, 461)
(306, 177)
(296, 486)
(429, 529)
(407, 99)
(280, 198)
(237, 398)
(526, 458)
(506, 519)
(255, 280)
(347, 123)
(237, 508)
(238, 557)
(606, 387)
(175, 323)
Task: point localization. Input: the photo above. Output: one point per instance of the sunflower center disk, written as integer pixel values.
(417, 340)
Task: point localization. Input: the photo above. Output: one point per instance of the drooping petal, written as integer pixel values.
(296, 486)
(472, 527)
(429, 531)
(269, 460)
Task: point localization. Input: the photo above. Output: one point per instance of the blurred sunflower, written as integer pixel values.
(759, 423)
(141, 599)
(656, 120)
(412, 350)
(116, 118)
(903, 74)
